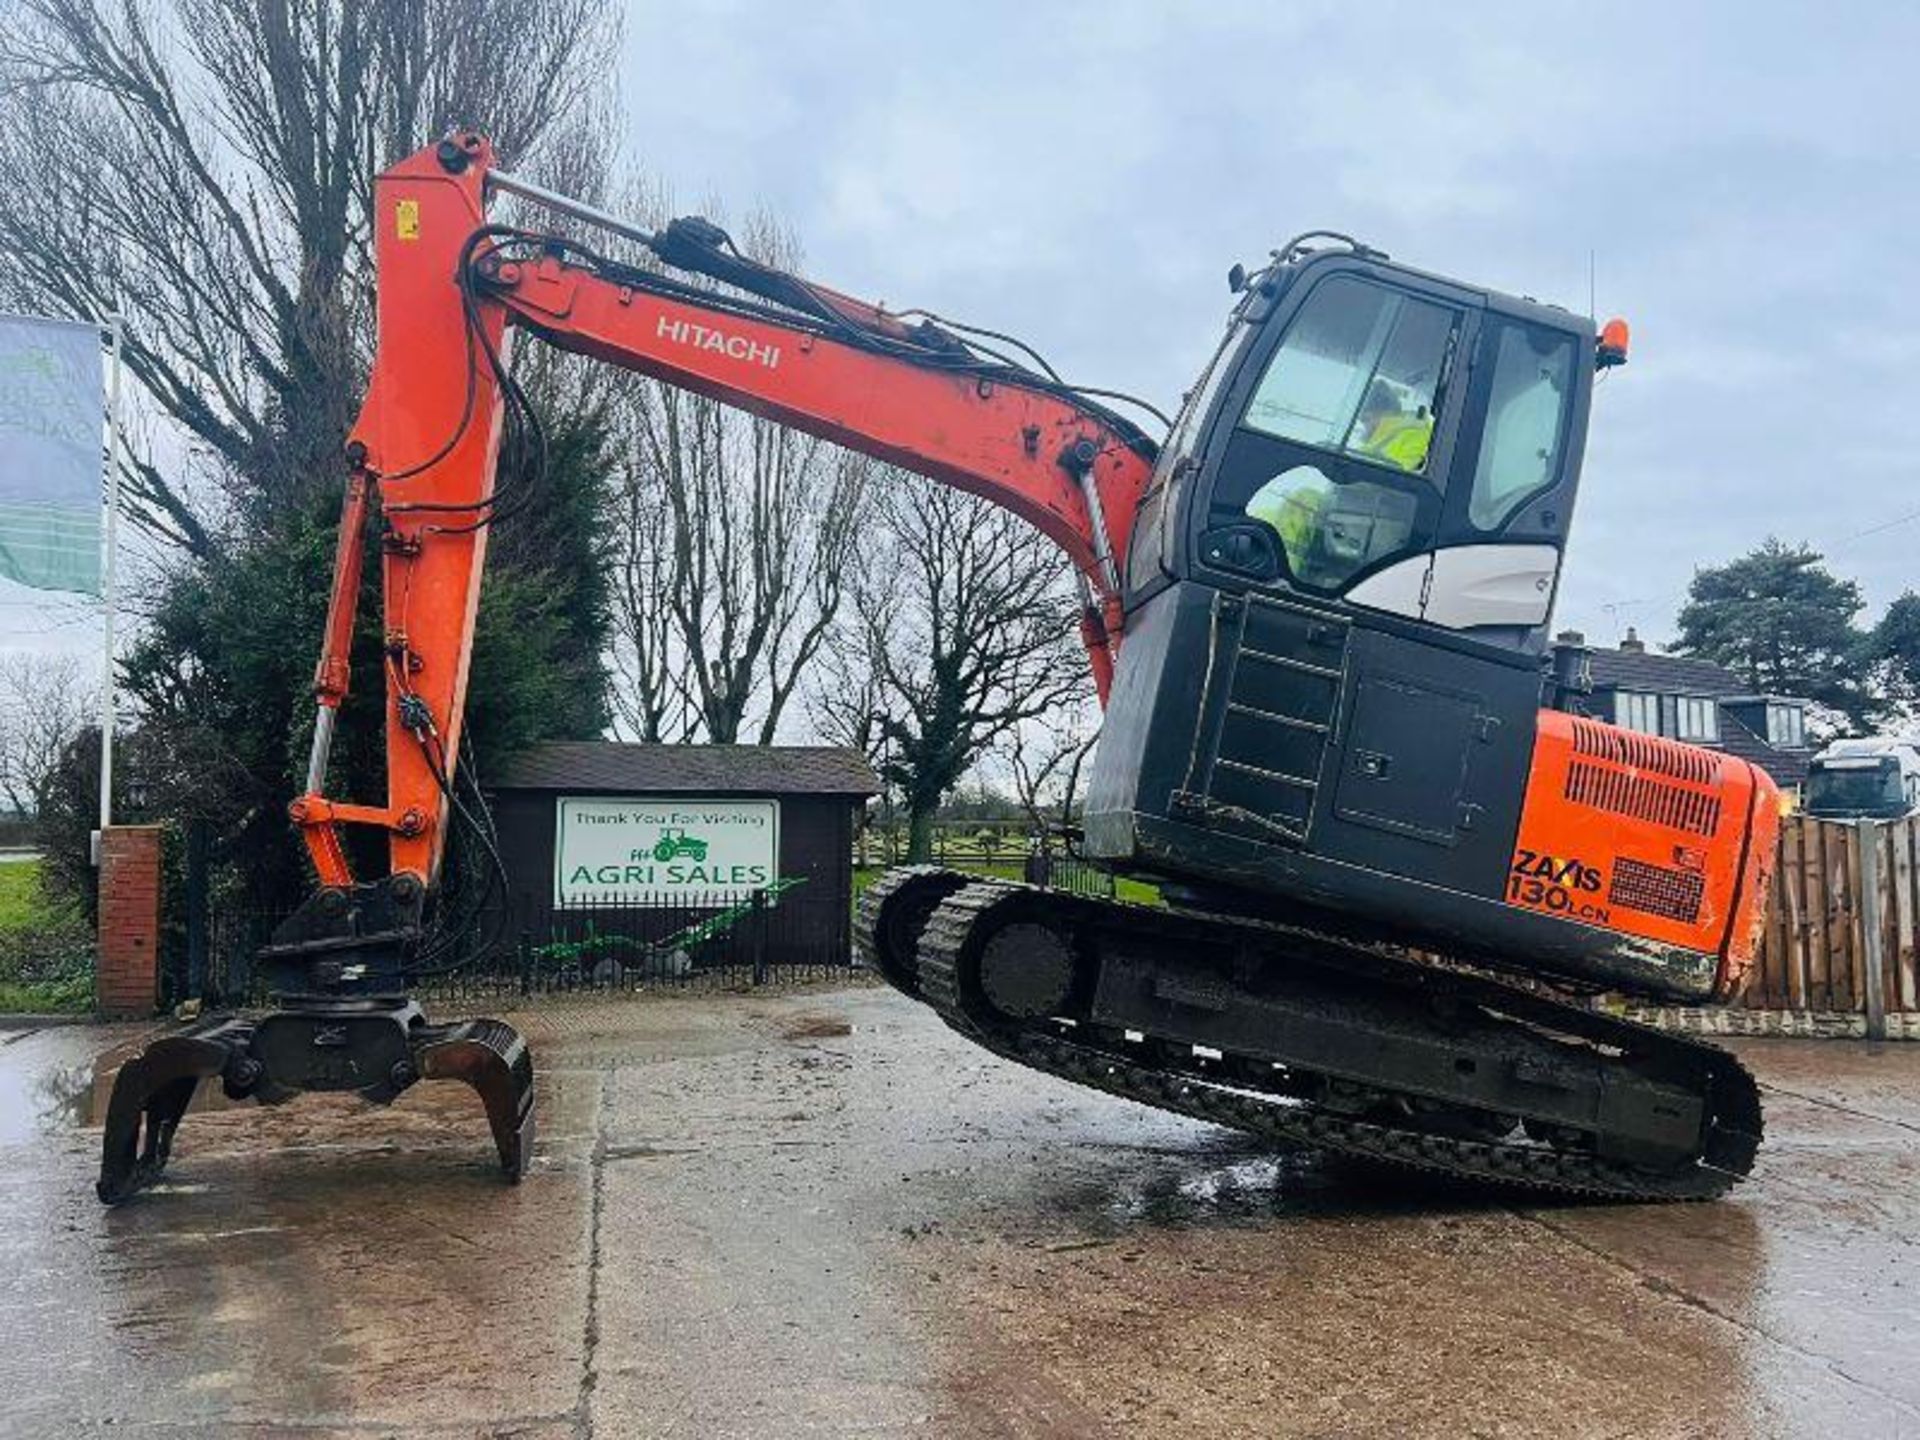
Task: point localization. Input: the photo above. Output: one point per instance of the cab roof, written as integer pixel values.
(1516, 307)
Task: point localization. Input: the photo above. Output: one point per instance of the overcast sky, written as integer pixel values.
(1084, 173)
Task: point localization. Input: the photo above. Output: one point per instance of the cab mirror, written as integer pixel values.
(1237, 278)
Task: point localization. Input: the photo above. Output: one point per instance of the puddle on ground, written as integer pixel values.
(49, 1099)
(1256, 1186)
(1239, 1181)
(43, 1101)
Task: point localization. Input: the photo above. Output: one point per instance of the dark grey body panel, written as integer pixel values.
(1289, 758)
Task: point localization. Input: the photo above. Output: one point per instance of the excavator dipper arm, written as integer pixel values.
(451, 291)
(442, 417)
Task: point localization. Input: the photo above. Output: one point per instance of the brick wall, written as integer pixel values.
(127, 984)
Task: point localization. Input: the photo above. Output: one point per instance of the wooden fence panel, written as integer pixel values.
(1820, 940)
(1813, 951)
(1842, 886)
(1779, 974)
(1799, 933)
(1817, 878)
(1903, 957)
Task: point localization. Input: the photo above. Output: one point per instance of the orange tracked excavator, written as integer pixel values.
(1392, 854)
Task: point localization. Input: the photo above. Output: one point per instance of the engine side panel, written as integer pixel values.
(1648, 837)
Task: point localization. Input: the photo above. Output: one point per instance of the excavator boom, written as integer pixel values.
(427, 441)
(1328, 736)
(442, 419)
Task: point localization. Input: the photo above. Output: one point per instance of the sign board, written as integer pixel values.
(637, 848)
(51, 416)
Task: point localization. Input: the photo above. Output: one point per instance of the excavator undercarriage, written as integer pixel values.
(1304, 1037)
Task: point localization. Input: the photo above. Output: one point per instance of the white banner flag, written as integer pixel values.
(52, 418)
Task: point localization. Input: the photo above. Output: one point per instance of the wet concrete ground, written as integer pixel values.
(823, 1214)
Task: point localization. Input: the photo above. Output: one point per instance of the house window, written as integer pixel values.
(1786, 726)
(1698, 719)
(1633, 711)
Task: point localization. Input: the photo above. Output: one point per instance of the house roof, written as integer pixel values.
(1667, 674)
(613, 767)
(1787, 767)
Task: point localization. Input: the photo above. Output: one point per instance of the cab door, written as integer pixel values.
(1326, 493)
(1332, 468)
(1504, 523)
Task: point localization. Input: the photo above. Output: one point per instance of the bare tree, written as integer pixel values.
(45, 701)
(848, 703)
(205, 168)
(649, 701)
(967, 628)
(738, 535)
(1046, 758)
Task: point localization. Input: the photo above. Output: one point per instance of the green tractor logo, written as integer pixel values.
(675, 844)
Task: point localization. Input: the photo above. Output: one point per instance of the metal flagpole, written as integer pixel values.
(107, 569)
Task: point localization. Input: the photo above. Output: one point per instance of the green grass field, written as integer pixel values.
(46, 954)
(20, 902)
(1136, 892)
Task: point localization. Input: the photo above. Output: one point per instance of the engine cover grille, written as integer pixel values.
(1655, 890)
(1643, 797)
(1644, 752)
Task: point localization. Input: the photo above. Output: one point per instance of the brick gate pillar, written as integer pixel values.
(126, 986)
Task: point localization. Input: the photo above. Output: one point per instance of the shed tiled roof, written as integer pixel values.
(610, 767)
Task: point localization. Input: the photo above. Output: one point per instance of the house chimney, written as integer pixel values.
(1569, 677)
(1633, 644)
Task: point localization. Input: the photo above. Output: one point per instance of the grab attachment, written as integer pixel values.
(375, 1048)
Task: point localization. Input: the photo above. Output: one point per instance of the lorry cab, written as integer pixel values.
(1339, 592)
(1872, 779)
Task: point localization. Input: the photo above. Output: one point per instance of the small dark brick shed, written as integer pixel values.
(819, 791)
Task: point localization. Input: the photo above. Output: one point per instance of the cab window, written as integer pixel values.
(1357, 373)
(1522, 446)
(1331, 532)
(1331, 455)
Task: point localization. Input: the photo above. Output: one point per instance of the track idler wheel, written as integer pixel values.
(373, 1048)
(1026, 971)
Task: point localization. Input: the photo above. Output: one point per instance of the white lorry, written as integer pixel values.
(1871, 779)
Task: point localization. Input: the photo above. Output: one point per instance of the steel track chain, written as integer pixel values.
(1286, 1119)
(867, 941)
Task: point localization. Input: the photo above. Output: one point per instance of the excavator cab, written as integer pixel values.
(1338, 599)
(1380, 438)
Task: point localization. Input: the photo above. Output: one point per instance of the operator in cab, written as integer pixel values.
(1387, 431)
